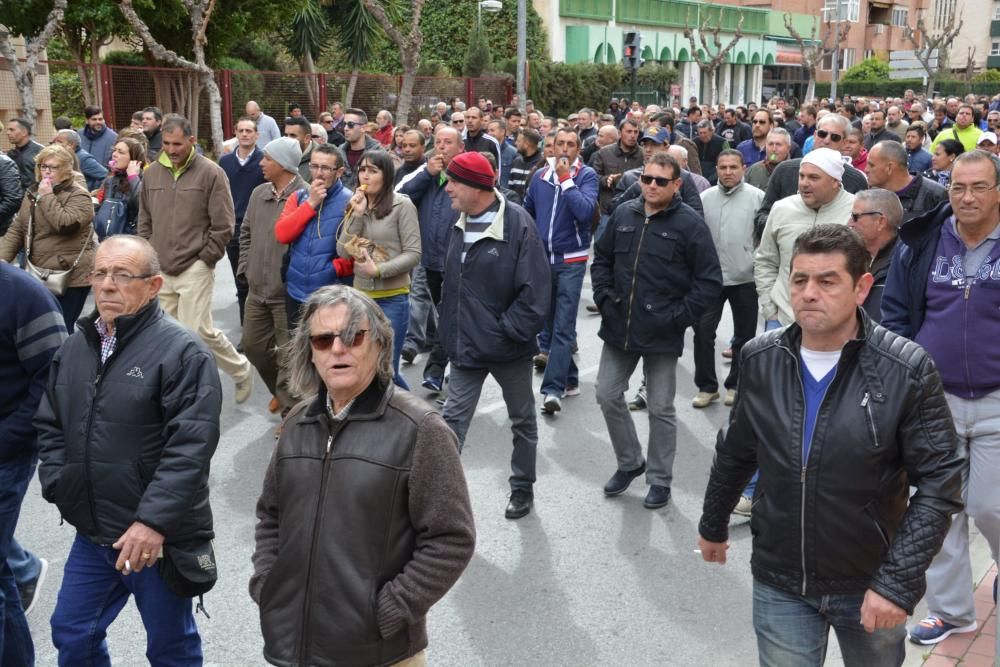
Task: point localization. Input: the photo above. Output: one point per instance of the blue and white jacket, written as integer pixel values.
(564, 211)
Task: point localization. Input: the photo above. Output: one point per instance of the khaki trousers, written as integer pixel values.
(265, 334)
(188, 298)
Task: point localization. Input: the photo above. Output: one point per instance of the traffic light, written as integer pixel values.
(631, 59)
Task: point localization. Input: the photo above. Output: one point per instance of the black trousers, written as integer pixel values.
(743, 302)
(437, 361)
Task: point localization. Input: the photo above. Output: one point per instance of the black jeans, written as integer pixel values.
(233, 252)
(437, 361)
(743, 301)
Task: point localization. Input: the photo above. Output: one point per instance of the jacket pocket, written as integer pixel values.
(873, 516)
(70, 496)
(661, 244)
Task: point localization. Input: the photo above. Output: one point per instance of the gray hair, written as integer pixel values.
(319, 131)
(150, 258)
(979, 156)
(886, 203)
(835, 119)
(783, 133)
(893, 151)
(69, 135)
(702, 124)
(304, 379)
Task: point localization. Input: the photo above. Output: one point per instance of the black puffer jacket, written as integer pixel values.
(841, 521)
(920, 197)
(131, 439)
(653, 277)
(11, 192)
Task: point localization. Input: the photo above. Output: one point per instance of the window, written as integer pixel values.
(846, 60)
(850, 10)
(995, 49)
(944, 11)
(900, 15)
(996, 12)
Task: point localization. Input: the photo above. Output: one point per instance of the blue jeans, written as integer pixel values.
(397, 309)
(793, 630)
(561, 370)
(93, 593)
(16, 647)
(25, 565)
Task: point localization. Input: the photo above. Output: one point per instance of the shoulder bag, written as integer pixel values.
(55, 281)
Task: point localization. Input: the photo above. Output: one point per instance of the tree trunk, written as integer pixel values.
(307, 65)
(931, 80)
(410, 64)
(26, 89)
(351, 86)
(214, 111)
(192, 86)
(713, 95)
(810, 88)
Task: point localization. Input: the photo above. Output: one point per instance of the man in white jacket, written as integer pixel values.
(821, 199)
(729, 208)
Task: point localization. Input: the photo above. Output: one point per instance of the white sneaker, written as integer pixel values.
(730, 397)
(704, 399)
(744, 506)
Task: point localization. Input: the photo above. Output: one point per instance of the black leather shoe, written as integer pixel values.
(520, 504)
(657, 497)
(621, 480)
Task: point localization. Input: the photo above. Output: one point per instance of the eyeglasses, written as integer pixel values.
(328, 121)
(323, 342)
(117, 278)
(323, 168)
(48, 167)
(959, 190)
(350, 124)
(661, 181)
(857, 216)
(762, 122)
(316, 136)
(823, 134)
(457, 122)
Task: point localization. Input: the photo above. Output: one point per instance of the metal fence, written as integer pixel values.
(121, 90)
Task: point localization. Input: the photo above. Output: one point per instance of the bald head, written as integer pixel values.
(680, 154)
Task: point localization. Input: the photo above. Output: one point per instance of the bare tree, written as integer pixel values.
(409, 46)
(926, 43)
(24, 75)
(716, 59)
(814, 50)
(200, 12)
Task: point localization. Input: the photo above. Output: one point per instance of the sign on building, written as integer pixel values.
(904, 65)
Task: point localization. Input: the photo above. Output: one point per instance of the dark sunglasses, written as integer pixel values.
(350, 124)
(823, 134)
(762, 122)
(857, 216)
(323, 342)
(661, 181)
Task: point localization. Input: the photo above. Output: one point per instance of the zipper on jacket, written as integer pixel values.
(866, 404)
(101, 368)
(805, 462)
(317, 522)
(631, 293)
(965, 336)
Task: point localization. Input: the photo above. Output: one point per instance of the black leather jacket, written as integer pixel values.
(840, 522)
(11, 192)
(131, 439)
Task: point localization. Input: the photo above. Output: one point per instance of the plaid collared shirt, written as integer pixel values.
(108, 339)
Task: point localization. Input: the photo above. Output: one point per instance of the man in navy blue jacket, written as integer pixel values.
(563, 200)
(943, 291)
(242, 167)
(31, 330)
(494, 303)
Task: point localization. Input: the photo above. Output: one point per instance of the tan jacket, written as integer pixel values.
(398, 234)
(188, 219)
(64, 221)
(260, 252)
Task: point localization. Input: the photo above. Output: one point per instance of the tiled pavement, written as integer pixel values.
(972, 649)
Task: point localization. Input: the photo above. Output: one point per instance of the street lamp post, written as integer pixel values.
(522, 49)
(835, 68)
(492, 6)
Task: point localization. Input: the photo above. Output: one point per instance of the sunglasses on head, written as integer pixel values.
(322, 342)
(661, 181)
(823, 134)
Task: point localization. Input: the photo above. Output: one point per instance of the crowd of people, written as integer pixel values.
(860, 236)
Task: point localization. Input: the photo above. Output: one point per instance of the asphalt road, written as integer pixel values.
(582, 580)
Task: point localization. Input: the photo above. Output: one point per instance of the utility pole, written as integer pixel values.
(835, 69)
(522, 48)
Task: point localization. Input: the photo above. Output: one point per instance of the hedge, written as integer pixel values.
(558, 89)
(897, 87)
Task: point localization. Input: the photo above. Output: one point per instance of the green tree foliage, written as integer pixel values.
(870, 69)
(559, 89)
(987, 76)
(657, 77)
(478, 59)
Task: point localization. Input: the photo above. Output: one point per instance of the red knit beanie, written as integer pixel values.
(471, 169)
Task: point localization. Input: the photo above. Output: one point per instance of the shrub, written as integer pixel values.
(870, 69)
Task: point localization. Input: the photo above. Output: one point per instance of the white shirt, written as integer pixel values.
(819, 363)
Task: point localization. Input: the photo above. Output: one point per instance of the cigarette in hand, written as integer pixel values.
(128, 567)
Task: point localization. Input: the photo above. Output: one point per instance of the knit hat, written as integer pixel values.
(285, 151)
(828, 160)
(471, 169)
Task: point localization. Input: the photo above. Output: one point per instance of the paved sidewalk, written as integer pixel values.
(972, 649)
